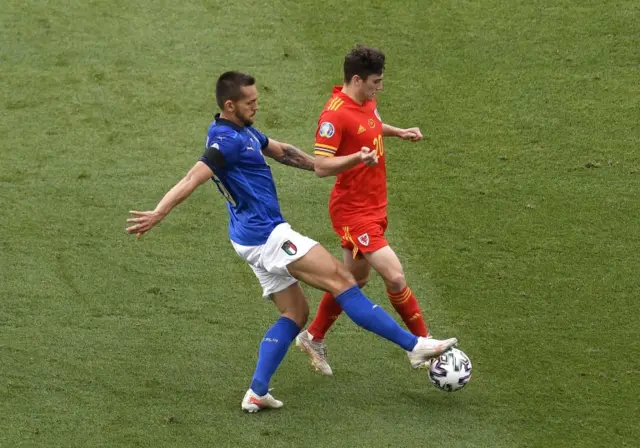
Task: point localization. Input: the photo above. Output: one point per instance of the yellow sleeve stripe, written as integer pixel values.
(322, 145)
(335, 104)
(323, 152)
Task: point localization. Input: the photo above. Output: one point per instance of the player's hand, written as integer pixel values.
(368, 157)
(143, 222)
(412, 134)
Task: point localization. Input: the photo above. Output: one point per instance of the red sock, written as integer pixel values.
(328, 312)
(406, 304)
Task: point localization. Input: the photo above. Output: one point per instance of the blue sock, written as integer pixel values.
(370, 316)
(274, 346)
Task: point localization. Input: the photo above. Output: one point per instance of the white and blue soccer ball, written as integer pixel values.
(451, 371)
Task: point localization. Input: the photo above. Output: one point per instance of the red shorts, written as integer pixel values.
(364, 236)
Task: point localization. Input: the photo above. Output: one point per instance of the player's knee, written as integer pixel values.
(396, 282)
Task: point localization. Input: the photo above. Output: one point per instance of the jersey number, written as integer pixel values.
(379, 145)
(224, 191)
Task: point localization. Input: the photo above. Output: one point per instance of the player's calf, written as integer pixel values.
(292, 304)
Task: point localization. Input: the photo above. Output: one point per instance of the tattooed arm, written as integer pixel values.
(289, 155)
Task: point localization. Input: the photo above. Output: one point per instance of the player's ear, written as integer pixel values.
(228, 105)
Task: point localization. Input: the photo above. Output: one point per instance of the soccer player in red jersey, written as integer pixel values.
(350, 145)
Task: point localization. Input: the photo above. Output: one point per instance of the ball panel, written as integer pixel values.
(451, 371)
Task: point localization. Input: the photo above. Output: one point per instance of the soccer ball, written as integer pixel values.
(450, 371)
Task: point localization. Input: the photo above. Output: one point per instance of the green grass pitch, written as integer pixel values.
(517, 220)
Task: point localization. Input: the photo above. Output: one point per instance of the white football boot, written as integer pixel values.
(316, 350)
(252, 402)
(421, 364)
(428, 348)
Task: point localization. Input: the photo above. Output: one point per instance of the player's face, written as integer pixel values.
(370, 86)
(246, 107)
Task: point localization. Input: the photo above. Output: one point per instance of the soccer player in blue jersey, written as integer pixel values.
(279, 256)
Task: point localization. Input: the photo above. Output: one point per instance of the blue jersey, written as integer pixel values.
(244, 179)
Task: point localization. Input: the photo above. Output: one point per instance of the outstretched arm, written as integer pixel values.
(145, 221)
(412, 134)
(334, 165)
(289, 155)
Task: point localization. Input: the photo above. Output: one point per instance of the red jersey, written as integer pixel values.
(344, 127)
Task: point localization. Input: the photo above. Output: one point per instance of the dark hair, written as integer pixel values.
(363, 61)
(229, 84)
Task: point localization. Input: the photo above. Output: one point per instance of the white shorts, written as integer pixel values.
(270, 260)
